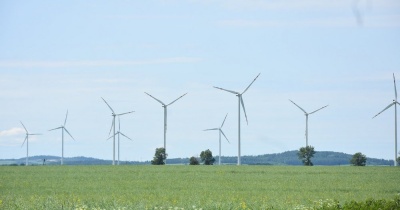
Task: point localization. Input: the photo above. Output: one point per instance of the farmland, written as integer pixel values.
(190, 187)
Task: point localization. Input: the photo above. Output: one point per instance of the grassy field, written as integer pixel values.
(190, 187)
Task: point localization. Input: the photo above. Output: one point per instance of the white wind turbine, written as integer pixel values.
(165, 118)
(395, 103)
(62, 127)
(113, 126)
(118, 133)
(306, 114)
(27, 142)
(239, 95)
(219, 131)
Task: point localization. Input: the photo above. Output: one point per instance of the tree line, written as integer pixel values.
(304, 156)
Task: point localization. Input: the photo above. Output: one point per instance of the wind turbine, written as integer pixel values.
(165, 118)
(118, 133)
(62, 127)
(240, 99)
(113, 126)
(306, 114)
(27, 142)
(220, 131)
(395, 102)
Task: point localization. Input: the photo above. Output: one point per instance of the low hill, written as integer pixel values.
(325, 158)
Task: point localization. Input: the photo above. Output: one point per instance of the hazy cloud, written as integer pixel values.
(94, 63)
(349, 21)
(12, 132)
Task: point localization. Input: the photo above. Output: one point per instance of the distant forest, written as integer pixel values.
(322, 158)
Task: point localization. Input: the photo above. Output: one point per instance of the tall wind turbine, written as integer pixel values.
(62, 127)
(27, 142)
(113, 114)
(118, 133)
(165, 118)
(395, 102)
(219, 131)
(240, 99)
(306, 114)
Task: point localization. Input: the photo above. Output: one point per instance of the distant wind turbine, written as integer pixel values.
(306, 114)
(219, 131)
(165, 118)
(239, 95)
(62, 127)
(27, 142)
(395, 103)
(118, 133)
(113, 114)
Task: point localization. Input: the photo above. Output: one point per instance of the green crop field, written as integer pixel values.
(190, 187)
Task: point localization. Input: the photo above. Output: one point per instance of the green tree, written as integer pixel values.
(159, 157)
(358, 159)
(206, 157)
(305, 154)
(193, 161)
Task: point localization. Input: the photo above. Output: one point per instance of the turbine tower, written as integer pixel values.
(240, 99)
(118, 133)
(306, 114)
(219, 131)
(62, 127)
(113, 114)
(27, 142)
(395, 103)
(165, 118)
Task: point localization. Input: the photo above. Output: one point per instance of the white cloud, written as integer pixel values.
(349, 21)
(12, 132)
(94, 63)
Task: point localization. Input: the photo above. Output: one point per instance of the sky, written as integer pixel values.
(59, 56)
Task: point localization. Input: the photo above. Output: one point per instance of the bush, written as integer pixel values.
(358, 159)
(193, 161)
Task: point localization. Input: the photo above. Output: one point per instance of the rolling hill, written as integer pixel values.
(326, 158)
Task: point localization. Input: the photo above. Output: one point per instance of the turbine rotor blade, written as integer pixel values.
(111, 136)
(125, 136)
(318, 109)
(395, 91)
(34, 134)
(384, 109)
(251, 83)
(177, 99)
(69, 133)
(65, 122)
(26, 137)
(224, 135)
(211, 129)
(298, 107)
(155, 99)
(244, 109)
(112, 124)
(24, 126)
(231, 91)
(55, 128)
(125, 113)
(108, 105)
(224, 120)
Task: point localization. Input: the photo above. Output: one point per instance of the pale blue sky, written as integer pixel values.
(56, 56)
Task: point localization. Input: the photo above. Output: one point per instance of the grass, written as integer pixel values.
(190, 187)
